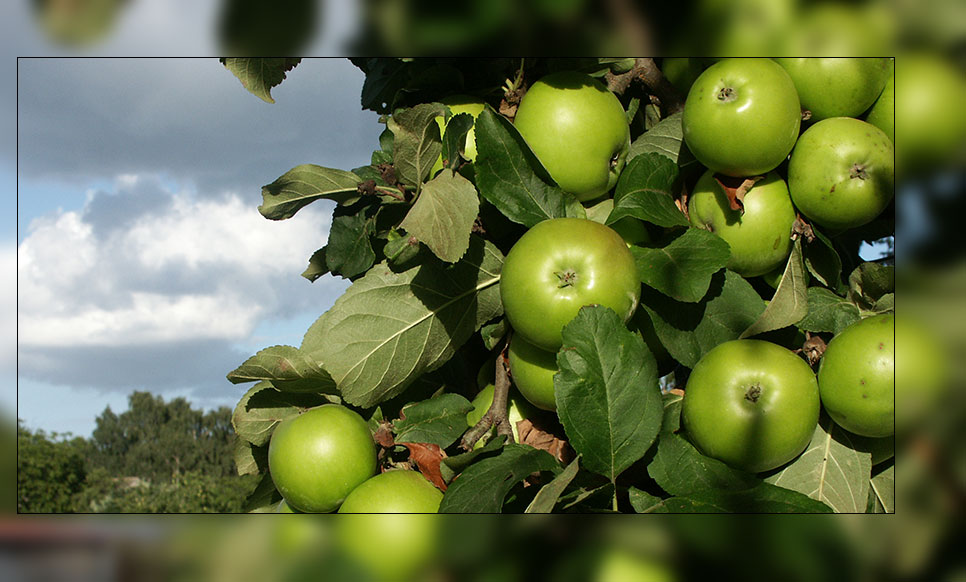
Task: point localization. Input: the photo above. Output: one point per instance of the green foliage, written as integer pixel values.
(424, 251)
(156, 457)
(50, 470)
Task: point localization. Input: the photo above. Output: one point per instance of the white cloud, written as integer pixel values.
(191, 270)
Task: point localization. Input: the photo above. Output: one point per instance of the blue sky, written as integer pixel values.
(142, 262)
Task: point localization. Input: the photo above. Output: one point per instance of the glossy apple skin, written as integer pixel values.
(742, 117)
(578, 130)
(559, 266)
(532, 370)
(837, 86)
(318, 457)
(760, 236)
(751, 404)
(842, 173)
(857, 377)
(395, 491)
(882, 114)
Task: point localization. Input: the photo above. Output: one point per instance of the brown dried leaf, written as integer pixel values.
(736, 188)
(545, 441)
(383, 435)
(428, 457)
(802, 228)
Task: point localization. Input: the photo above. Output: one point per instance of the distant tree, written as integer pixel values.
(156, 441)
(51, 470)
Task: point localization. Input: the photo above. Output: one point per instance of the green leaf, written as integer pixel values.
(289, 369)
(512, 179)
(827, 312)
(548, 495)
(317, 266)
(261, 409)
(885, 303)
(702, 484)
(249, 459)
(883, 489)
(822, 261)
(667, 139)
(690, 330)
(263, 497)
(443, 215)
(483, 486)
(869, 282)
(349, 252)
(390, 328)
(763, 498)
(606, 390)
(642, 501)
(440, 420)
(305, 184)
(645, 190)
(492, 334)
(830, 470)
(673, 403)
(259, 75)
(683, 268)
(681, 470)
(452, 466)
(385, 78)
(454, 138)
(790, 303)
(416, 141)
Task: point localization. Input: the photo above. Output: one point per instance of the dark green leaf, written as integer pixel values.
(261, 409)
(317, 266)
(263, 498)
(249, 459)
(454, 138)
(416, 141)
(511, 177)
(443, 215)
(822, 261)
(645, 190)
(827, 312)
(385, 77)
(548, 495)
(607, 395)
(681, 470)
(667, 139)
(642, 501)
(260, 74)
(869, 282)
(673, 404)
(440, 420)
(762, 498)
(883, 489)
(790, 303)
(389, 328)
(452, 466)
(690, 330)
(348, 252)
(682, 269)
(492, 334)
(483, 486)
(305, 184)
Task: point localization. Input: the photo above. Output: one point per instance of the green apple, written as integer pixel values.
(759, 236)
(742, 116)
(882, 114)
(842, 173)
(578, 130)
(837, 86)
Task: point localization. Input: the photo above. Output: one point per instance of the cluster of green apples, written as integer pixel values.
(743, 120)
(324, 460)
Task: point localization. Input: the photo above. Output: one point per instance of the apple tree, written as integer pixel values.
(423, 229)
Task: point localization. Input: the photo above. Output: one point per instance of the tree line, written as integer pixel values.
(156, 457)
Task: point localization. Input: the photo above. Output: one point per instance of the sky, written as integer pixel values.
(141, 260)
